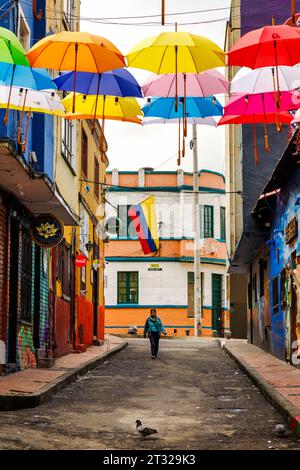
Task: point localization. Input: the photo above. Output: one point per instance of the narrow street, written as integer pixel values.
(194, 395)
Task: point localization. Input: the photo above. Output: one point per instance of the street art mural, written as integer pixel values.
(25, 353)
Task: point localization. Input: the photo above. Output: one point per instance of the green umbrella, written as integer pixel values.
(11, 50)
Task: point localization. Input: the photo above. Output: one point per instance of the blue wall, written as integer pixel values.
(40, 135)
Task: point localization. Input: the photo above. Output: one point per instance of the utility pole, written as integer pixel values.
(197, 261)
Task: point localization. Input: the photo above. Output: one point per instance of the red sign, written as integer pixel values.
(80, 261)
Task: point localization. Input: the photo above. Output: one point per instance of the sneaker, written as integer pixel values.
(153, 357)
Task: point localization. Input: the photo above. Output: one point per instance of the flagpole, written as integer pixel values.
(197, 260)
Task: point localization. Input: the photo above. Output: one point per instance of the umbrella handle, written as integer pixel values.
(184, 108)
(75, 77)
(267, 146)
(176, 79)
(37, 15)
(179, 150)
(255, 144)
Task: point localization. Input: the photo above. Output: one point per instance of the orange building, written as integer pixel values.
(136, 282)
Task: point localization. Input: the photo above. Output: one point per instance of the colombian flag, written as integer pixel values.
(144, 217)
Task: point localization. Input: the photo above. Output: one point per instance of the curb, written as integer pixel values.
(290, 412)
(14, 402)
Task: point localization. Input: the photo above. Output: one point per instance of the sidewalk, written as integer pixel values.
(31, 387)
(277, 380)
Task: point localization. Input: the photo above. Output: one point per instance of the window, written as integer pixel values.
(222, 223)
(84, 154)
(23, 30)
(275, 296)
(69, 14)
(283, 299)
(128, 288)
(96, 177)
(126, 228)
(68, 141)
(207, 221)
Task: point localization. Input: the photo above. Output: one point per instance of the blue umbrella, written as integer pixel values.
(192, 108)
(118, 82)
(25, 77)
(13, 75)
(189, 107)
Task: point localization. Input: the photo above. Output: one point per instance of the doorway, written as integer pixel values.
(13, 292)
(216, 302)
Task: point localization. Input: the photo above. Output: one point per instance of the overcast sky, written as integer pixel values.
(132, 146)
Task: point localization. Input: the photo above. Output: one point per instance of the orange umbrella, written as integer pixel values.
(76, 51)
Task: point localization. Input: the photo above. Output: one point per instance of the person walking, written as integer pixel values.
(154, 328)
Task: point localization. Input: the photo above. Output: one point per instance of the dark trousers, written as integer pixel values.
(154, 340)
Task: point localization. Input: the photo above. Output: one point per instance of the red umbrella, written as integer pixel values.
(268, 46)
(283, 117)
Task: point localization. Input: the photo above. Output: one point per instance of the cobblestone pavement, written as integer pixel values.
(193, 394)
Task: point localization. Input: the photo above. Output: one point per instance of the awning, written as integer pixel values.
(33, 189)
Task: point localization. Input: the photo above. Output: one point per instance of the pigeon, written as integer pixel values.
(282, 431)
(142, 430)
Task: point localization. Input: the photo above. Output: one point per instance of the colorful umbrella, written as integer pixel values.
(195, 107)
(110, 107)
(25, 77)
(196, 85)
(267, 46)
(201, 85)
(76, 51)
(261, 103)
(27, 100)
(190, 108)
(11, 50)
(118, 82)
(176, 52)
(208, 121)
(262, 80)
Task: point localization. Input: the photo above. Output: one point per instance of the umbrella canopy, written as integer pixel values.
(203, 84)
(262, 80)
(118, 82)
(189, 53)
(209, 121)
(267, 46)
(11, 50)
(23, 99)
(79, 51)
(261, 103)
(109, 107)
(195, 107)
(284, 118)
(26, 77)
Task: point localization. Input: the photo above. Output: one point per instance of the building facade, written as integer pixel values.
(39, 294)
(272, 261)
(244, 179)
(136, 282)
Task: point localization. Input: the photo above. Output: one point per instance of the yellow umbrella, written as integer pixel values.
(176, 52)
(103, 107)
(76, 51)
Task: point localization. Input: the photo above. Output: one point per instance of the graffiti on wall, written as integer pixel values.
(26, 356)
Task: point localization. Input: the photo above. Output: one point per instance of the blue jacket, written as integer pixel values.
(154, 326)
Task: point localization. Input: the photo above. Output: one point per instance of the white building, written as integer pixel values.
(136, 282)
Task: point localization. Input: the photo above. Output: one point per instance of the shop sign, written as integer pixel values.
(47, 230)
(80, 261)
(291, 230)
(154, 267)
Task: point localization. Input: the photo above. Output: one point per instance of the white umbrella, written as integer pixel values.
(25, 99)
(208, 121)
(262, 80)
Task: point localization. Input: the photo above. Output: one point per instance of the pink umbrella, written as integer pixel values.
(261, 103)
(210, 82)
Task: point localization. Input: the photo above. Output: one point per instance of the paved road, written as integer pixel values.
(193, 394)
